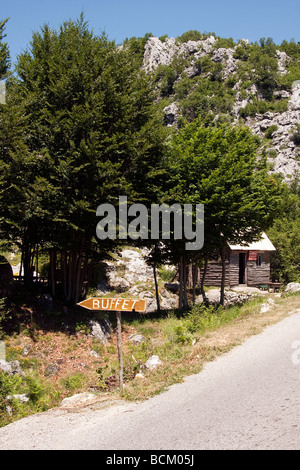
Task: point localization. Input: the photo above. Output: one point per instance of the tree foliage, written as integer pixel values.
(90, 135)
(285, 234)
(4, 51)
(218, 167)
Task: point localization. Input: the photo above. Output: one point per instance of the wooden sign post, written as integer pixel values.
(120, 353)
(116, 305)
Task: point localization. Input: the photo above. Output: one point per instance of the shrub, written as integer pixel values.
(166, 274)
(192, 35)
(182, 334)
(182, 88)
(4, 314)
(270, 131)
(73, 381)
(296, 135)
(262, 107)
(293, 73)
(163, 38)
(202, 317)
(249, 110)
(241, 53)
(17, 384)
(35, 388)
(272, 153)
(231, 81)
(5, 388)
(226, 43)
(204, 65)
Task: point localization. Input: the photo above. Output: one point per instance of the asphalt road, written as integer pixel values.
(249, 398)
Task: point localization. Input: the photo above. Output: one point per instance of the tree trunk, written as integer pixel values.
(77, 283)
(27, 260)
(120, 353)
(194, 281)
(74, 268)
(156, 288)
(180, 270)
(52, 273)
(223, 258)
(63, 265)
(83, 277)
(203, 279)
(185, 299)
(37, 262)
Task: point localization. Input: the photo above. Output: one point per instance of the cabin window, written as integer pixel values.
(259, 260)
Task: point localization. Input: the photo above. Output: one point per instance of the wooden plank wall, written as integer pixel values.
(259, 274)
(254, 274)
(234, 268)
(214, 274)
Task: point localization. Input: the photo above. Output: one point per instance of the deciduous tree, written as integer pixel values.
(218, 167)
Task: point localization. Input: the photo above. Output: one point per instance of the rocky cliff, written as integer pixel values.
(249, 84)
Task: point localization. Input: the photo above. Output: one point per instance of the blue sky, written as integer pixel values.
(279, 19)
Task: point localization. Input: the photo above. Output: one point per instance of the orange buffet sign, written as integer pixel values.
(114, 305)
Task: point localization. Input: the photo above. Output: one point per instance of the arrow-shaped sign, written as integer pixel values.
(114, 305)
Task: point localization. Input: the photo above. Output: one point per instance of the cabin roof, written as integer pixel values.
(264, 244)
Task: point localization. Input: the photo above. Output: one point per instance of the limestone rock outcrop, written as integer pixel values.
(283, 153)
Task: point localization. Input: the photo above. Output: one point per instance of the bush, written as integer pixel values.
(249, 110)
(293, 73)
(4, 314)
(182, 334)
(167, 76)
(226, 43)
(73, 381)
(266, 75)
(182, 88)
(272, 153)
(278, 106)
(16, 384)
(192, 35)
(296, 135)
(270, 131)
(5, 388)
(163, 38)
(202, 317)
(166, 274)
(262, 106)
(242, 52)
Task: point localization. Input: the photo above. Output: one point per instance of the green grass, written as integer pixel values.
(37, 390)
(73, 382)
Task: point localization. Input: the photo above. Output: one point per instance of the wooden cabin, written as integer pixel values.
(245, 265)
